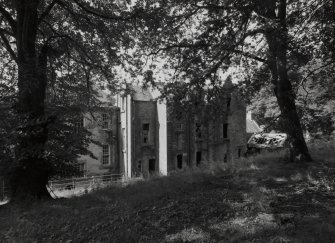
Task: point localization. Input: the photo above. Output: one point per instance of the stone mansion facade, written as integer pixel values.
(138, 136)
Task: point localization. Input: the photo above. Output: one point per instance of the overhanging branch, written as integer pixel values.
(7, 45)
(47, 11)
(8, 18)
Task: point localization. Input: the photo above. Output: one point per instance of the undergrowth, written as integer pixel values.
(256, 199)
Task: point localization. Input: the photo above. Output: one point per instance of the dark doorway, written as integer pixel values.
(152, 165)
(198, 158)
(179, 161)
(225, 130)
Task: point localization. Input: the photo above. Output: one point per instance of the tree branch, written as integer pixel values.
(47, 11)
(7, 45)
(100, 15)
(9, 18)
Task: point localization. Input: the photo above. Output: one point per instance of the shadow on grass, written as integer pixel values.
(263, 202)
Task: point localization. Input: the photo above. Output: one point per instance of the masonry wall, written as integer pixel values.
(145, 158)
(237, 131)
(111, 136)
(187, 148)
(179, 143)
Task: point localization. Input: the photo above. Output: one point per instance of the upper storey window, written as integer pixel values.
(145, 132)
(105, 121)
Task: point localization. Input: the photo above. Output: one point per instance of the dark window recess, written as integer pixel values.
(105, 123)
(225, 130)
(152, 165)
(225, 159)
(198, 130)
(139, 165)
(145, 128)
(198, 158)
(228, 102)
(239, 152)
(179, 161)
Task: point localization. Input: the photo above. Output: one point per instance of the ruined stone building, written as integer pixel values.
(139, 136)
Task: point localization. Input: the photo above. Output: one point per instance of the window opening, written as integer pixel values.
(179, 161)
(145, 133)
(105, 154)
(198, 158)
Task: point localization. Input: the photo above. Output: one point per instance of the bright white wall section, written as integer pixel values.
(129, 135)
(161, 112)
(162, 132)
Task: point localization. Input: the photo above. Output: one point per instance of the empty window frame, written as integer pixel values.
(105, 121)
(179, 161)
(228, 102)
(152, 165)
(198, 158)
(198, 134)
(145, 133)
(105, 154)
(225, 130)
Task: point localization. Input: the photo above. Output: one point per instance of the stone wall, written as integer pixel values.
(109, 136)
(145, 138)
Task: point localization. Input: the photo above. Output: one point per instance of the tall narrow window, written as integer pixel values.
(152, 165)
(105, 154)
(198, 158)
(198, 131)
(225, 159)
(239, 152)
(179, 161)
(105, 123)
(225, 130)
(145, 133)
(228, 102)
(79, 124)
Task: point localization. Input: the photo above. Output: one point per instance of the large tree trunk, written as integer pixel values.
(277, 42)
(31, 172)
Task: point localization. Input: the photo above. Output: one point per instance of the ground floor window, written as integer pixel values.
(105, 154)
(198, 158)
(152, 165)
(179, 161)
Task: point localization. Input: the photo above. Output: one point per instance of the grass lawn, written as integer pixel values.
(260, 200)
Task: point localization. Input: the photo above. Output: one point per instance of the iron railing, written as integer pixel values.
(81, 185)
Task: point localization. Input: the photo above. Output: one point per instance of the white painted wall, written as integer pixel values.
(162, 134)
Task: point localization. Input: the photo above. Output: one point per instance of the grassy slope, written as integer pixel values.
(266, 201)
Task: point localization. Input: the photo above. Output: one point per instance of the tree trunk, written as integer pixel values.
(277, 42)
(31, 172)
